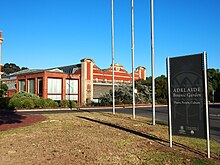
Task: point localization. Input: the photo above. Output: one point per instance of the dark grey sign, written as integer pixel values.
(188, 96)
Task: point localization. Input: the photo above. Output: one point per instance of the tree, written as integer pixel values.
(213, 83)
(161, 87)
(144, 89)
(11, 68)
(123, 94)
(3, 89)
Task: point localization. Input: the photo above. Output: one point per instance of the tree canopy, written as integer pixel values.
(214, 84)
(3, 89)
(11, 68)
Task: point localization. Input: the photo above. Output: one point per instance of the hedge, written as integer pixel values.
(27, 100)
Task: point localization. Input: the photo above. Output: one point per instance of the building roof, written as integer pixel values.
(70, 69)
(25, 71)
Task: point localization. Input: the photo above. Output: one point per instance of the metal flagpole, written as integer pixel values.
(132, 49)
(113, 63)
(152, 59)
(169, 104)
(206, 104)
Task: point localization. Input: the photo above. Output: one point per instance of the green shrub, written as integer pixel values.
(27, 100)
(72, 104)
(28, 103)
(65, 103)
(15, 103)
(23, 100)
(40, 103)
(161, 101)
(25, 94)
(3, 89)
(54, 104)
(49, 103)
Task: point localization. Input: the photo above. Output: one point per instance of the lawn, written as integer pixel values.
(100, 138)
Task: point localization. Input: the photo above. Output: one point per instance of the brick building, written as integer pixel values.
(1, 39)
(78, 82)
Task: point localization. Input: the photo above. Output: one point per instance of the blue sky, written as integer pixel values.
(50, 33)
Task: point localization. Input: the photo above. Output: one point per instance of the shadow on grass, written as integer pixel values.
(10, 117)
(161, 141)
(151, 137)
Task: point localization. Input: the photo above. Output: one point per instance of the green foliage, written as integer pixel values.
(72, 104)
(53, 104)
(213, 84)
(27, 100)
(11, 68)
(3, 89)
(64, 103)
(161, 87)
(49, 103)
(106, 100)
(25, 94)
(123, 95)
(161, 101)
(143, 91)
(15, 103)
(28, 103)
(40, 103)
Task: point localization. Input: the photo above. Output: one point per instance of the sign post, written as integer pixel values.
(206, 103)
(188, 99)
(169, 102)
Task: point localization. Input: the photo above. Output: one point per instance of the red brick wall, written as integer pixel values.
(120, 75)
(10, 93)
(46, 75)
(88, 71)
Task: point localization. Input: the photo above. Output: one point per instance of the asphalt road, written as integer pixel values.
(161, 115)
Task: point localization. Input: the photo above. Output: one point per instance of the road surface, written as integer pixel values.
(161, 115)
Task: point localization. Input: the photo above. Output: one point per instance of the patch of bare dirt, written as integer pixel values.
(11, 120)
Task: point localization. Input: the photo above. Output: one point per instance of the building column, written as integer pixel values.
(1, 39)
(63, 89)
(35, 86)
(26, 84)
(86, 79)
(141, 72)
(45, 85)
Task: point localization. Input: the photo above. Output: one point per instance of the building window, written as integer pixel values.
(31, 86)
(40, 87)
(21, 85)
(71, 89)
(54, 88)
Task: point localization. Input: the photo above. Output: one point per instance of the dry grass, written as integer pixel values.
(97, 138)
